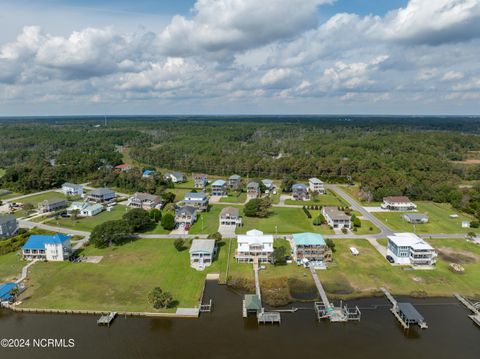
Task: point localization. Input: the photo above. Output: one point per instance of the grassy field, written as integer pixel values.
(10, 266)
(2, 172)
(439, 220)
(354, 191)
(284, 221)
(37, 198)
(121, 281)
(328, 199)
(365, 228)
(234, 198)
(7, 194)
(88, 223)
(207, 222)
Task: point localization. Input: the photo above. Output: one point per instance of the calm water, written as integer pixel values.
(225, 334)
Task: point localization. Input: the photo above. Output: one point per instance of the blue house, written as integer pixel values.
(310, 247)
(6, 292)
(219, 188)
(147, 173)
(55, 247)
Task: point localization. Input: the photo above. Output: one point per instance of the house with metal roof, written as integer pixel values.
(6, 292)
(415, 218)
(316, 185)
(202, 252)
(8, 226)
(219, 188)
(199, 200)
(200, 180)
(146, 201)
(234, 182)
(91, 210)
(254, 245)
(52, 205)
(410, 249)
(55, 247)
(251, 305)
(185, 216)
(230, 216)
(336, 218)
(299, 192)
(398, 203)
(101, 195)
(72, 189)
(409, 314)
(175, 177)
(311, 247)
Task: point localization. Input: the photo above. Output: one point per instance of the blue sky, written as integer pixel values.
(239, 56)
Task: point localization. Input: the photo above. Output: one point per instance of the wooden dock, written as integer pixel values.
(269, 318)
(396, 310)
(107, 319)
(473, 307)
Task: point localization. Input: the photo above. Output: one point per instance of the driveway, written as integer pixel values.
(227, 231)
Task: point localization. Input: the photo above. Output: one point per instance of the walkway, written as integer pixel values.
(257, 280)
(320, 289)
(25, 271)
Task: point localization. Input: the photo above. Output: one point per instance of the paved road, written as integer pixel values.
(14, 199)
(385, 230)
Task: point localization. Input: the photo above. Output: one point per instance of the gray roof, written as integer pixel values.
(72, 185)
(52, 201)
(299, 186)
(8, 218)
(335, 213)
(253, 185)
(195, 195)
(101, 191)
(415, 216)
(234, 177)
(410, 313)
(202, 245)
(146, 196)
(189, 210)
(315, 180)
(230, 211)
(267, 182)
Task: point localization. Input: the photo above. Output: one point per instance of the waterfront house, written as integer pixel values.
(316, 185)
(52, 205)
(219, 188)
(8, 226)
(147, 173)
(311, 247)
(230, 216)
(101, 195)
(398, 203)
(254, 245)
(202, 252)
(175, 177)
(234, 182)
(146, 201)
(55, 247)
(299, 192)
(415, 218)
(185, 216)
(7, 293)
(200, 180)
(72, 189)
(336, 218)
(253, 190)
(199, 200)
(409, 249)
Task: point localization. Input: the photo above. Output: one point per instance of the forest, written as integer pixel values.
(420, 157)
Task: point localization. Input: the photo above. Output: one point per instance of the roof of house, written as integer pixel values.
(234, 177)
(254, 237)
(72, 185)
(230, 211)
(415, 216)
(252, 302)
(52, 201)
(202, 246)
(397, 199)
(218, 182)
(308, 239)
(7, 218)
(101, 191)
(146, 196)
(254, 185)
(410, 240)
(299, 186)
(175, 174)
(93, 207)
(78, 205)
(189, 210)
(148, 172)
(195, 195)
(122, 166)
(199, 176)
(335, 213)
(315, 180)
(37, 241)
(410, 313)
(6, 289)
(267, 182)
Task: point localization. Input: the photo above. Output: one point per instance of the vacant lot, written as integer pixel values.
(37, 198)
(10, 266)
(88, 223)
(121, 281)
(439, 219)
(235, 198)
(328, 199)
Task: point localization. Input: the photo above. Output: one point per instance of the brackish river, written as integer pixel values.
(225, 334)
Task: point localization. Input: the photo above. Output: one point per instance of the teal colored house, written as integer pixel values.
(310, 247)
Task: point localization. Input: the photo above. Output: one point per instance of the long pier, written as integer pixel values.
(473, 307)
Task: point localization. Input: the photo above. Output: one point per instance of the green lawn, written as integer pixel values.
(234, 198)
(10, 266)
(121, 281)
(207, 222)
(365, 228)
(439, 220)
(328, 199)
(190, 184)
(354, 191)
(284, 220)
(88, 223)
(2, 172)
(6, 194)
(37, 198)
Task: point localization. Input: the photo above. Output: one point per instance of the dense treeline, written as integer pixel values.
(387, 155)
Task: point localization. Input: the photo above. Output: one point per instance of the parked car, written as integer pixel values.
(390, 259)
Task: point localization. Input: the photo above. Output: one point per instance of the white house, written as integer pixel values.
(71, 189)
(202, 252)
(316, 185)
(175, 177)
(398, 203)
(336, 218)
(55, 247)
(409, 249)
(91, 210)
(254, 245)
